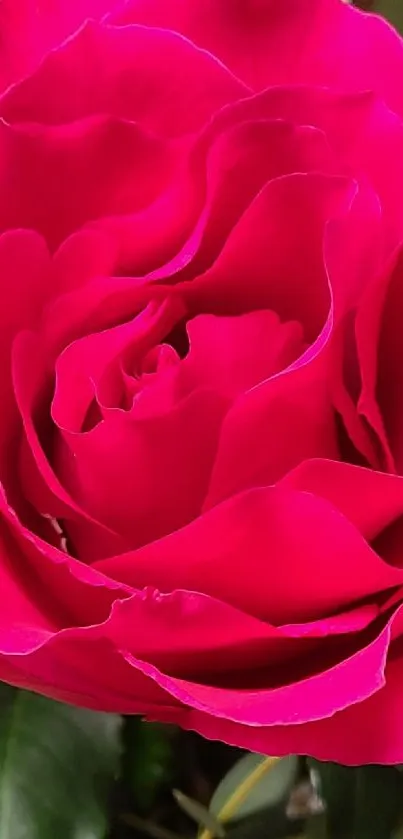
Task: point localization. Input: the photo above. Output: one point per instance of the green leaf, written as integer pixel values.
(361, 802)
(199, 813)
(148, 760)
(266, 824)
(315, 827)
(392, 10)
(56, 765)
(378, 796)
(269, 791)
(337, 787)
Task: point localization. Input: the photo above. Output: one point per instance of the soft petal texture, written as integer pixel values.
(297, 404)
(370, 500)
(283, 574)
(267, 43)
(359, 128)
(26, 274)
(380, 347)
(29, 28)
(355, 679)
(108, 60)
(81, 171)
(364, 733)
(201, 449)
(37, 476)
(143, 477)
(232, 355)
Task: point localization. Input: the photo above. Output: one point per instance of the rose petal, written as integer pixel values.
(81, 171)
(354, 679)
(268, 43)
(380, 347)
(182, 630)
(232, 355)
(276, 251)
(240, 163)
(39, 481)
(27, 281)
(296, 557)
(55, 590)
(364, 733)
(152, 76)
(83, 364)
(370, 500)
(28, 31)
(143, 477)
(360, 129)
(185, 229)
(66, 662)
(296, 406)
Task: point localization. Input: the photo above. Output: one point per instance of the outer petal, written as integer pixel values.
(360, 129)
(152, 76)
(364, 733)
(29, 29)
(178, 631)
(353, 680)
(26, 279)
(39, 481)
(81, 171)
(228, 164)
(380, 347)
(98, 665)
(282, 555)
(289, 239)
(371, 500)
(296, 405)
(325, 42)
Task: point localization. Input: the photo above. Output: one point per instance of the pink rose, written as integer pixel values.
(201, 367)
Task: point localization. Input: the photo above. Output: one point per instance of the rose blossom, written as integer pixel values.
(200, 444)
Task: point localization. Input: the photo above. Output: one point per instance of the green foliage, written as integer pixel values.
(361, 803)
(272, 788)
(200, 814)
(148, 762)
(392, 10)
(56, 767)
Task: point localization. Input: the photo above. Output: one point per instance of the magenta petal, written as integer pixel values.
(360, 129)
(82, 667)
(30, 30)
(296, 558)
(80, 367)
(380, 347)
(81, 171)
(297, 406)
(232, 355)
(364, 733)
(185, 631)
(27, 282)
(191, 633)
(151, 76)
(181, 233)
(275, 253)
(23, 607)
(353, 680)
(144, 477)
(37, 476)
(370, 500)
(323, 42)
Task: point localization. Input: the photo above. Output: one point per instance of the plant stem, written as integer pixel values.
(148, 827)
(241, 793)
